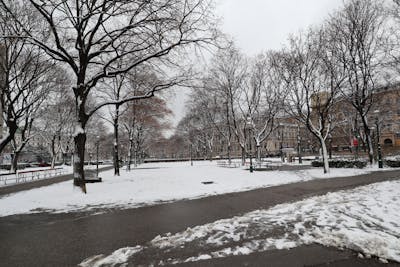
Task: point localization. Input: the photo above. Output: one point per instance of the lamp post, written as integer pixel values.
(299, 144)
(380, 162)
(249, 124)
(97, 156)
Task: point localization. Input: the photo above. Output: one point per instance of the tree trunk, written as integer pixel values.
(14, 162)
(116, 140)
(368, 138)
(243, 152)
(53, 151)
(229, 154)
(53, 162)
(324, 154)
(258, 153)
(136, 159)
(12, 129)
(211, 153)
(128, 166)
(370, 149)
(79, 160)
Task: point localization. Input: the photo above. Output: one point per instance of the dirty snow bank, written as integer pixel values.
(365, 219)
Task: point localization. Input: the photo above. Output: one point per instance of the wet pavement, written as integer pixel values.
(67, 239)
(303, 256)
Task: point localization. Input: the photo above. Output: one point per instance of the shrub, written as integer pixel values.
(340, 163)
(393, 163)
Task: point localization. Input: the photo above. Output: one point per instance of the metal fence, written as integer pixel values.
(29, 176)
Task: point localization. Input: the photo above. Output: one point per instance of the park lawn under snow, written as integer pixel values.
(365, 219)
(8, 178)
(151, 184)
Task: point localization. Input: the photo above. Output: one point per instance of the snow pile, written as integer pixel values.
(152, 184)
(117, 257)
(366, 219)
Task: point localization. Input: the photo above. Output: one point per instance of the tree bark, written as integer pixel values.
(14, 163)
(258, 153)
(243, 156)
(211, 153)
(136, 158)
(229, 154)
(324, 154)
(368, 138)
(116, 140)
(12, 129)
(53, 152)
(79, 159)
(128, 167)
(116, 147)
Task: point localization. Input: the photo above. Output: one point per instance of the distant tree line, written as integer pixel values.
(346, 59)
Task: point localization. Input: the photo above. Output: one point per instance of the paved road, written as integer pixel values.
(43, 182)
(67, 239)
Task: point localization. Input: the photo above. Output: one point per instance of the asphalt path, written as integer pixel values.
(5, 190)
(66, 239)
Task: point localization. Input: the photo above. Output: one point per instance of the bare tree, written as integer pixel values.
(263, 99)
(55, 124)
(313, 81)
(24, 98)
(25, 74)
(144, 122)
(356, 34)
(393, 41)
(205, 112)
(226, 77)
(116, 89)
(99, 40)
(212, 111)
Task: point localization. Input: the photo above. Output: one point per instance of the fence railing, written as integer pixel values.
(30, 175)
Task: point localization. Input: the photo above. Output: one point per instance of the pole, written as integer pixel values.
(251, 156)
(380, 162)
(97, 158)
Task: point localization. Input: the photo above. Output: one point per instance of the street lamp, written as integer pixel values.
(299, 144)
(330, 145)
(380, 162)
(97, 156)
(249, 123)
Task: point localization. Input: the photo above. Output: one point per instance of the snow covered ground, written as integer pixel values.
(365, 219)
(152, 184)
(24, 175)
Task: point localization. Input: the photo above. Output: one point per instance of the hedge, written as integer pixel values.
(341, 164)
(392, 163)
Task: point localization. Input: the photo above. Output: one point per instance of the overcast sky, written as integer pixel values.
(259, 25)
